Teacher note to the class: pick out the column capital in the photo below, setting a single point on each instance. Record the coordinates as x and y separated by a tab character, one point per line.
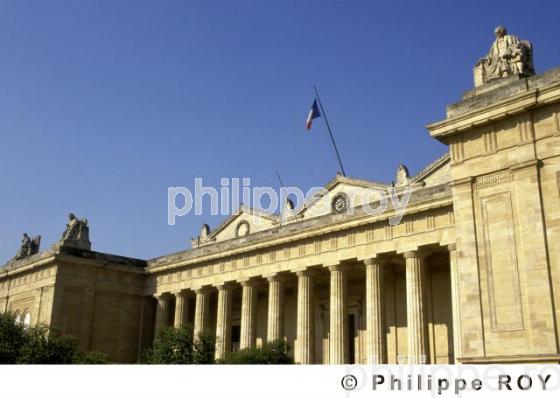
180	293
248	282
224	286
202	289
164	296
336	267
305	272
374	261
415	254
452	247
274	278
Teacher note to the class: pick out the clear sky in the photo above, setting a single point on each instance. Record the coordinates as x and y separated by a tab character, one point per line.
105	104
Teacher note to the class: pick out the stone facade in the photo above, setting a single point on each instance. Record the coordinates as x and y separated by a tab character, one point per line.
470	274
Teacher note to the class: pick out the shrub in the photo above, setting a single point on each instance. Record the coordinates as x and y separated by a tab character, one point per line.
177	346
91	358
12	337
204	349
274	352
40	345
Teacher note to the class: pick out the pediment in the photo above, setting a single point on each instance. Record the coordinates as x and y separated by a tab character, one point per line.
356	191
243	222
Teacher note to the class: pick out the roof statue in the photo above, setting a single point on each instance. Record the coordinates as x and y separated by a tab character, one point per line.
508	56
28	246
287	209
76	233
402	177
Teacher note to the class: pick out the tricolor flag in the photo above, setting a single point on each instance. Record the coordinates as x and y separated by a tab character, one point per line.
313	114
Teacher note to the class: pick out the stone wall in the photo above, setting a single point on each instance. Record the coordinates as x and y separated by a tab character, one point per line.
505	156
99	300
94	297
29	288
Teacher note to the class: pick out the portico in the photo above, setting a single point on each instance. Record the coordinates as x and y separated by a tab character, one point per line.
376	310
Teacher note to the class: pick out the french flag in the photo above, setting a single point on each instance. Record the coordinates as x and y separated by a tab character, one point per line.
313	114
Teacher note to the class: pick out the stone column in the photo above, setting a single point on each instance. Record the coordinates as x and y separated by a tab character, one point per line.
223	322
161	313
338	338
305	327
181	309
275	325
248	315
415	308
201	311
454	276
375	312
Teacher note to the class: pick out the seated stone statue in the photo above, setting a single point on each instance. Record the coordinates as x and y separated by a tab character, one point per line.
76	233
28	246
508	56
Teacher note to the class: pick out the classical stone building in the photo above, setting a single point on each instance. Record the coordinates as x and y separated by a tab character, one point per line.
471	274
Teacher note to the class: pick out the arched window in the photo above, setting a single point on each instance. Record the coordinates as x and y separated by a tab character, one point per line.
26	319
17	317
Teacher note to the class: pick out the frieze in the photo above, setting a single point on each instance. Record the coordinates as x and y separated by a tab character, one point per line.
493	179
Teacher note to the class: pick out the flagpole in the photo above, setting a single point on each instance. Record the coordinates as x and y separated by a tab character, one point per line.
281	189
280	181
330	132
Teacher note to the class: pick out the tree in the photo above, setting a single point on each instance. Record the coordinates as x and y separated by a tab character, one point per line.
204	349
40	345
12	337
177	346
275	352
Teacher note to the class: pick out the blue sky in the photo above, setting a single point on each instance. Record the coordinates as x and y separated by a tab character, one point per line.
105	104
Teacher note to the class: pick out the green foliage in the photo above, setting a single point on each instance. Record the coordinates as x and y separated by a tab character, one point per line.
91	358
12	337
40	345
177	346
274	352
204	349
171	346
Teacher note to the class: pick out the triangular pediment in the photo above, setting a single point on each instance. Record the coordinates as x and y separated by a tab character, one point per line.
357	191
243	222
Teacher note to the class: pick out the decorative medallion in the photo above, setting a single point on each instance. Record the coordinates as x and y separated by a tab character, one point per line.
340	203
242	229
